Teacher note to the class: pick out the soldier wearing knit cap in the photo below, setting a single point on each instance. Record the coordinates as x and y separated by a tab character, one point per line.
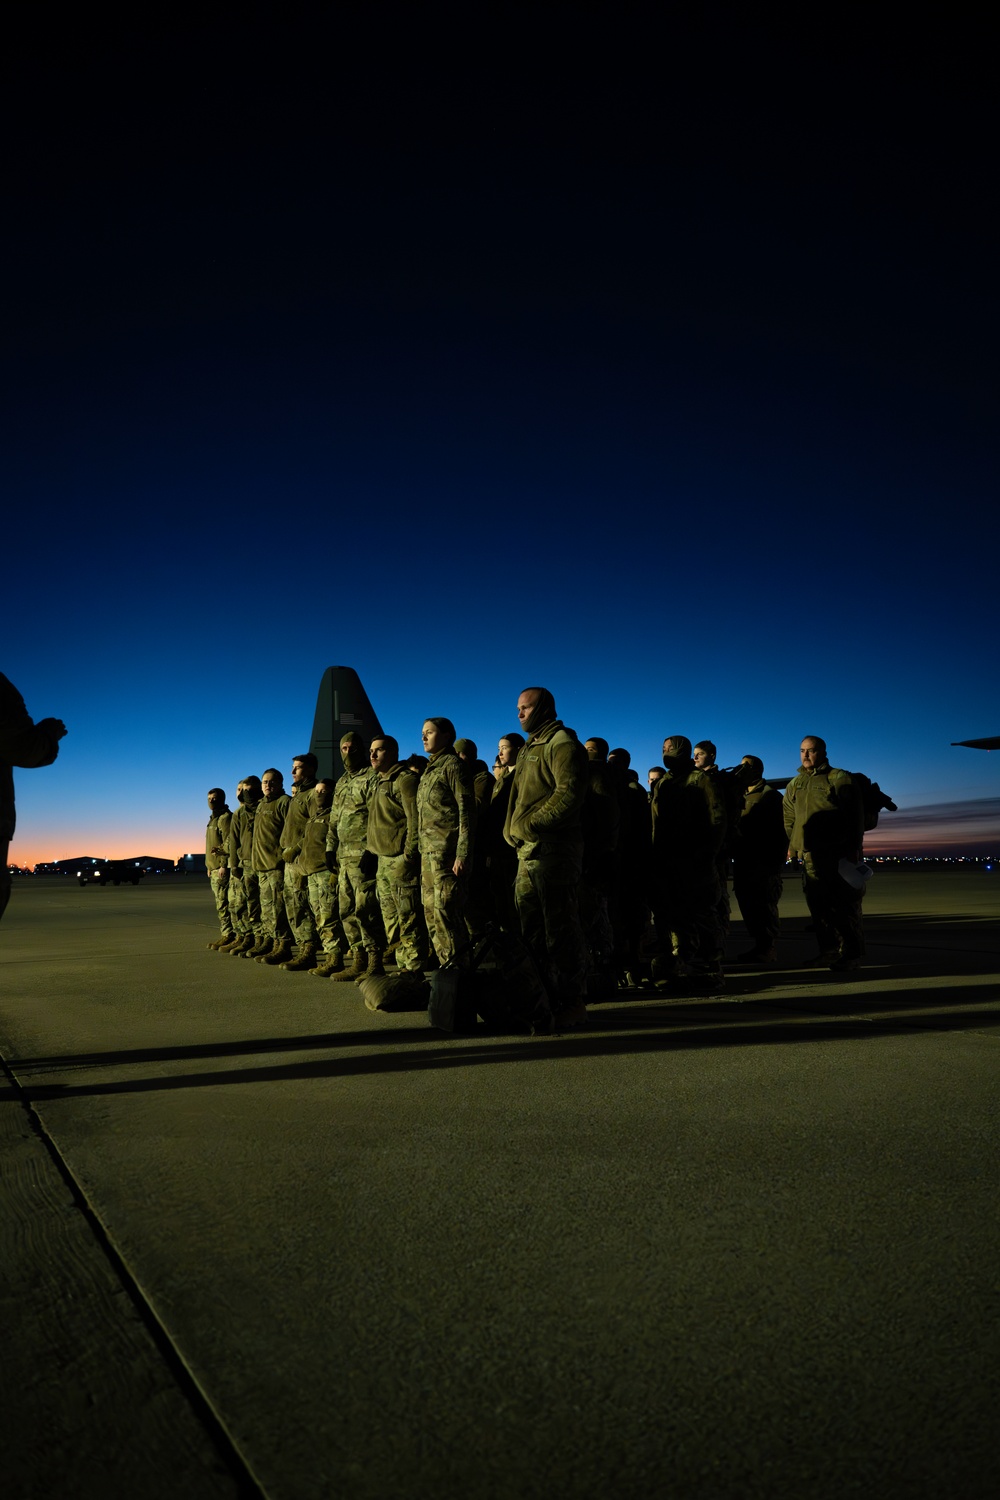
544	826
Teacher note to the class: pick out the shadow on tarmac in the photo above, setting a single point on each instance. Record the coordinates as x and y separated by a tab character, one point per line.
641	1031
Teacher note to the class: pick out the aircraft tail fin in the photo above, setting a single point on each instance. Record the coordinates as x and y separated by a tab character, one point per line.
342	704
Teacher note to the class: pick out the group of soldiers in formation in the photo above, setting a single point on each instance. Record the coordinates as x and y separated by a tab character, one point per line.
559	847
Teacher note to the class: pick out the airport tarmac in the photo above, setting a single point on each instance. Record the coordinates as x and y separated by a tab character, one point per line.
259	1241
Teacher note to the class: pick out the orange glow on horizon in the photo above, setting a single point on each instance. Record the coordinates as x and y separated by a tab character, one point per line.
159	841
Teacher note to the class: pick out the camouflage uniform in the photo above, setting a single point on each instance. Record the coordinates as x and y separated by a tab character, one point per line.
322	886
346	841
824	823
393	835
244	885
267	864
446	814
689	828
217	865
296	885
22	743
543	824
600	819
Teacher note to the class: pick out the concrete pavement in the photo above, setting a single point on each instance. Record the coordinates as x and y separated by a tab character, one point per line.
260	1240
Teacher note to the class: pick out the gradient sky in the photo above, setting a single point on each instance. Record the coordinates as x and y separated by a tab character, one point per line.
652	363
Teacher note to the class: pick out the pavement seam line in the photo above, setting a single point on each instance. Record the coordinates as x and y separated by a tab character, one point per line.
248	1486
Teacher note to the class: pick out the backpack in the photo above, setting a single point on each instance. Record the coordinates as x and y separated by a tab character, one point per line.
873	799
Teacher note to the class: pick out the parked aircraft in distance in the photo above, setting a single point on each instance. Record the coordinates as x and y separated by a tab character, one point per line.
992	742
342	704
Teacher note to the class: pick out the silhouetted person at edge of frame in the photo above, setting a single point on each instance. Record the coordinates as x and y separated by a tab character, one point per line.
22	743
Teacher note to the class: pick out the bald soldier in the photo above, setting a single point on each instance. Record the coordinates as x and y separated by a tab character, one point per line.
824	824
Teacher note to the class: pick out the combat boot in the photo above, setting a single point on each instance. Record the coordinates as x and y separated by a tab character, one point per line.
263	945
333	964
234	942
278	953
244	945
358	969
305	960
221	942
375	969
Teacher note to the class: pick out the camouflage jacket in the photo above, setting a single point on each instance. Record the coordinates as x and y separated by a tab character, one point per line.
392	813
446	809
349	814
551	779
217	840
312	857
295	826
268	822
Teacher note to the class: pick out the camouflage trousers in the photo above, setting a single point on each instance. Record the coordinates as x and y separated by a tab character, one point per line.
297	908
686	915
244	903
443	895
546	890
220	890
834	906
399	899
359	908
758	895
326	911
272	904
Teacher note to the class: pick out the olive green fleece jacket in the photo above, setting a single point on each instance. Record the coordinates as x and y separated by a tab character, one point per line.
269	820
689	817
551	779
217	840
312	857
295	825
241	836
392	813
823	813
349	814
446	809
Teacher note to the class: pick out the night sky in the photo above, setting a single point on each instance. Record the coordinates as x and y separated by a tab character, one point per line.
651	361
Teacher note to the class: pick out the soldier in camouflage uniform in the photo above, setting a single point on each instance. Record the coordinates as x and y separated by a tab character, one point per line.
824	823
322	886
347	854
268	865
217	862
689	829
244	886
296	887
446	815
544	826
393	836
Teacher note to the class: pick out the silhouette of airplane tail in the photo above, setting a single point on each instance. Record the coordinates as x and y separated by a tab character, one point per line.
342	704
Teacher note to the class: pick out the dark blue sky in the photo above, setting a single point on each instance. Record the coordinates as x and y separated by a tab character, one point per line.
653	362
